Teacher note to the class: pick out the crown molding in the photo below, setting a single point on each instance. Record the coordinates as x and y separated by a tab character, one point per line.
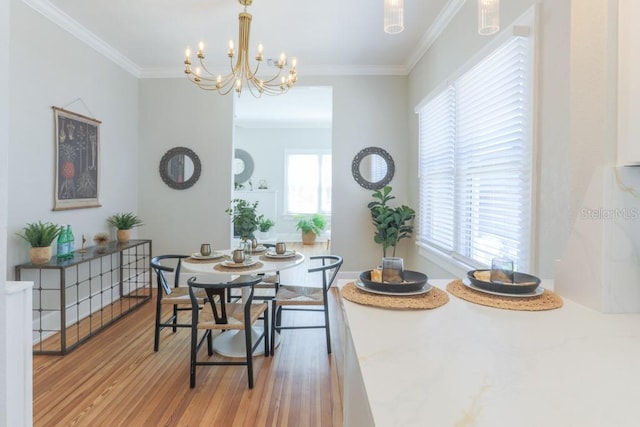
74	28
70	25
335	70
439	24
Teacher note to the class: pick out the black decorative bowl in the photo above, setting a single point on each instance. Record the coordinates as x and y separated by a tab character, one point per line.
523	283
413	282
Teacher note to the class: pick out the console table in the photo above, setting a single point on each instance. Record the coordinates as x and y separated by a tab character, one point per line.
77	298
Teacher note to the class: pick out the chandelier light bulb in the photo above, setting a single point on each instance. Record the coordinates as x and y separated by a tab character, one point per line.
259	55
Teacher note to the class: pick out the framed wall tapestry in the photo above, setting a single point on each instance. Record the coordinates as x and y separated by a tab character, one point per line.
77	160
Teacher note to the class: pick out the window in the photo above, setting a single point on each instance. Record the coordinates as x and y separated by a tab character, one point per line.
308	183
475	157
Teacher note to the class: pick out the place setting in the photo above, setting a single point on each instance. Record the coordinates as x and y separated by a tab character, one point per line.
206	255
391	286
240	261
503	287
279	253
257	248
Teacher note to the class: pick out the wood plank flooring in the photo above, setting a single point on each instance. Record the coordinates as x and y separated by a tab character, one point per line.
116	379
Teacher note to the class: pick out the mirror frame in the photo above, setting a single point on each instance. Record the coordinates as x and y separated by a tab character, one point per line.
245	175
355	168
164	164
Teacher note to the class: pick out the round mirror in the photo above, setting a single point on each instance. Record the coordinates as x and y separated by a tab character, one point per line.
180	168
242	166
372	168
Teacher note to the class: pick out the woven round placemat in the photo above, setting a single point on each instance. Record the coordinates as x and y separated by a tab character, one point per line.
549	300
220	267
206	261
434	298
272	259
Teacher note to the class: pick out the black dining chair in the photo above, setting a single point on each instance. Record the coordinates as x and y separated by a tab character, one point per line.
270	282
170	295
307	298
225	316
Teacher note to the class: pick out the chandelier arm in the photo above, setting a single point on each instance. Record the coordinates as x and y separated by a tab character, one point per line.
272	79
253	88
200	84
204	67
224	92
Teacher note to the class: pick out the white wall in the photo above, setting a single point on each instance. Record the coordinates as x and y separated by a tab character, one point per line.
50	67
4	190
174	112
458	43
599	267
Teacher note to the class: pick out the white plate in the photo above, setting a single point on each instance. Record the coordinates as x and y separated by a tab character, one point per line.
286	254
539	290
232	264
214	255
259	249
427	287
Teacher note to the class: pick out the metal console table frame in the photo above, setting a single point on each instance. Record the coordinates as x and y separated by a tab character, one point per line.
77	298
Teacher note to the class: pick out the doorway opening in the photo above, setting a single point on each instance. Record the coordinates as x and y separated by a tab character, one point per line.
285	143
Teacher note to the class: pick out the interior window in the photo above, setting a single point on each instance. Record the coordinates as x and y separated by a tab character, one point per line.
308	182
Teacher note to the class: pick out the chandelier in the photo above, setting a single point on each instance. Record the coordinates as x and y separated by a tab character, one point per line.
488	17
242	75
393	16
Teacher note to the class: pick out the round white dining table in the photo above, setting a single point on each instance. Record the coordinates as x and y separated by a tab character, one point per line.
232	343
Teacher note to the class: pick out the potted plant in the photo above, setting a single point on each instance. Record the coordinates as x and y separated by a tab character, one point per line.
40	236
392	224
264	226
245	218
311	226
124	222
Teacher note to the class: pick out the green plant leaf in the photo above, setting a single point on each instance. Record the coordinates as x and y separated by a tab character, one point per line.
391	224
244	216
39	234
124	221
314	223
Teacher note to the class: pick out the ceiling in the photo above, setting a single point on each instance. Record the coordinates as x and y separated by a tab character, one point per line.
328	37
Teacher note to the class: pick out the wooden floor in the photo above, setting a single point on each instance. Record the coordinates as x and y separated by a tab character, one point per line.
116	379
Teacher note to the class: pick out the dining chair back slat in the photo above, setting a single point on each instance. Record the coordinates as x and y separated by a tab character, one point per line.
224	315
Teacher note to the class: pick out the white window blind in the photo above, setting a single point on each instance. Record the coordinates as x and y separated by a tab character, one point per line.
437	171
475	161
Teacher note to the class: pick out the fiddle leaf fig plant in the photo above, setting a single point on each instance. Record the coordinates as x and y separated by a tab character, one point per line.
392	224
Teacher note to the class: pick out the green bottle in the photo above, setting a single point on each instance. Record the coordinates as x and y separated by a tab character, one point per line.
62	247
71	243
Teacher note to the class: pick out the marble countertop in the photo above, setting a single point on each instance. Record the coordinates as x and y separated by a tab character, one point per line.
464	364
